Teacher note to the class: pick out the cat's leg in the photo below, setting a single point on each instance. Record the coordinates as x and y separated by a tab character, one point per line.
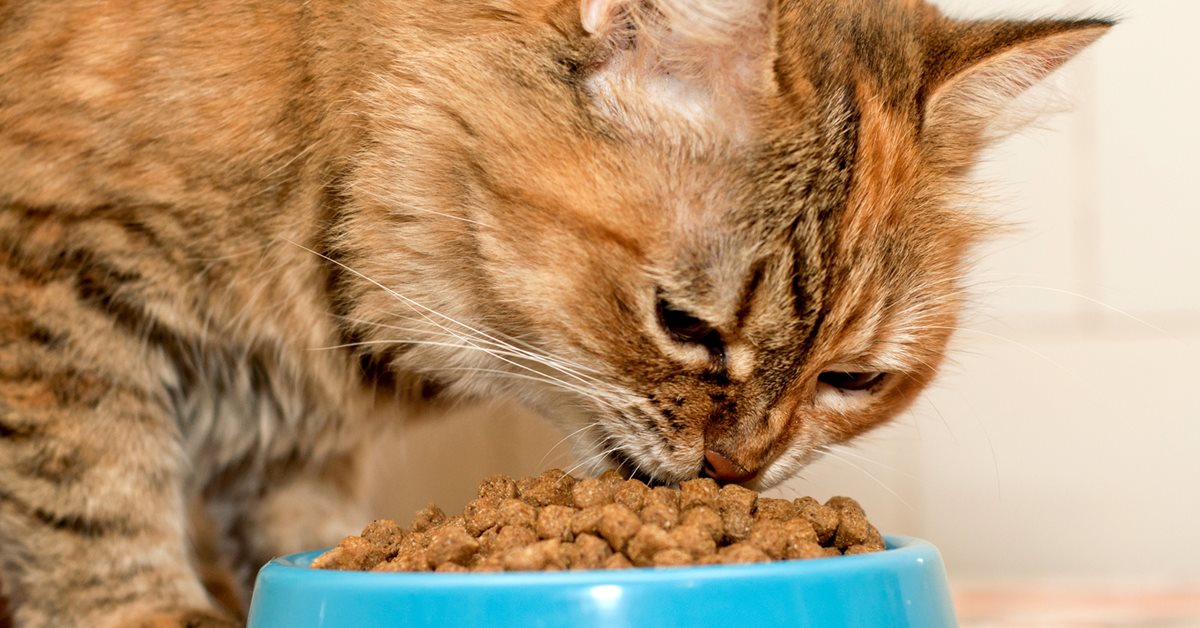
92	521
300	508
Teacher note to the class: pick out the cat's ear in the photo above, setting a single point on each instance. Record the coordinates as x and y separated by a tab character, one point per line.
976	71
723	50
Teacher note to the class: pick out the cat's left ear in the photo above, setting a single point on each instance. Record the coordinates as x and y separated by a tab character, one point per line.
690	49
975	71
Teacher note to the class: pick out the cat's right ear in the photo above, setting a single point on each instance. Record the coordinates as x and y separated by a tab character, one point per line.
692	54
975	72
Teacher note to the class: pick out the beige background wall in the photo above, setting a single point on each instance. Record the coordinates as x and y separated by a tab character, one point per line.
1064	441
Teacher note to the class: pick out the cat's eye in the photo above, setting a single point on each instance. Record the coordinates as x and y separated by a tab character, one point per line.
851	381
683	327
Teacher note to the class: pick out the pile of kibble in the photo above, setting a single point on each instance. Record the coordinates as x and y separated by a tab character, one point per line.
554	521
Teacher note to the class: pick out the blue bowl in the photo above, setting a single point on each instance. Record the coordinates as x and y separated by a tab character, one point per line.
904	586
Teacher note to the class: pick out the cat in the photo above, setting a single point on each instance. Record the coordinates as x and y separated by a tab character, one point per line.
238	239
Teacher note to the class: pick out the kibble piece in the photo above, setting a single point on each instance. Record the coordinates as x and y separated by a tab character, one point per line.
845	504
617	525
593	492
777	509
617	561
491	563
854	529
800	535
661	514
512	537
770	536
543	555
804	550
386	534
481	514
552	487
450	543
354	553
736	505
672	558
514	512
859	549
612	476
742	553
735	498
648	542
632	495
587	552
694	540
554	522
451	568
585	521
406	561
824	520
706	519
427	518
711	559
498	487
699	492
488	540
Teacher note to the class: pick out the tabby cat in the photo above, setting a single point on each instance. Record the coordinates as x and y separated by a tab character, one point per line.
237	239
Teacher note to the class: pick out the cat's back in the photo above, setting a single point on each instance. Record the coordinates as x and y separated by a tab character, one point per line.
152	99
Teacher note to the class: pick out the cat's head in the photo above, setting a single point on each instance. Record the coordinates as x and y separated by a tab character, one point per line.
729	222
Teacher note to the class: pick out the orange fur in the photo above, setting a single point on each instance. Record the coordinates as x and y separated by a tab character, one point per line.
238	238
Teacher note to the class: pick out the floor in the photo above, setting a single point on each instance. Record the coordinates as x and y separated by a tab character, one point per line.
1077	606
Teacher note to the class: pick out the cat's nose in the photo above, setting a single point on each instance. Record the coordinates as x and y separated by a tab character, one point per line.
724	470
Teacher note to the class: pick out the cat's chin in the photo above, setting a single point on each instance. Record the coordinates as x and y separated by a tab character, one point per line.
629	469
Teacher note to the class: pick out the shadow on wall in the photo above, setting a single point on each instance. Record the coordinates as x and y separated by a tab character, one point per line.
443	458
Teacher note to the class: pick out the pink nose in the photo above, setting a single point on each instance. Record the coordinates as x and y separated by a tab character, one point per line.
724	471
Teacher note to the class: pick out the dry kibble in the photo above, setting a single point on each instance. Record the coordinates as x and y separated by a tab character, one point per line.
632	495
777	509
617	524
427	518
770	536
514	512
554	522
481	514
845	504
699	492
694	540
824	520
742	553
498	487
706	519
617	561
534	524
661	514
587	552
585	521
354	553
593	492
804	550
450	543
553	487
512	537
648	542
672	558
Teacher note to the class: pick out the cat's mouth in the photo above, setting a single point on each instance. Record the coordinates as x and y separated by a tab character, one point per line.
629	469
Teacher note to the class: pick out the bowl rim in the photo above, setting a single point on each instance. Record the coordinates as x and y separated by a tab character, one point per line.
900	550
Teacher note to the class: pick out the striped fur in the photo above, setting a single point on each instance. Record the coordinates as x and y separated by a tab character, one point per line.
237	239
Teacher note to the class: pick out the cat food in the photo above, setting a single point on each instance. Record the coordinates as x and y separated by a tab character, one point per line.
555	522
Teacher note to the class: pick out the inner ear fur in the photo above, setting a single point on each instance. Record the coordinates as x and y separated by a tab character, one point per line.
975	71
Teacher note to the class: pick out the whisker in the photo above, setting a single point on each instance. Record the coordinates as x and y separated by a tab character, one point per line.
835	456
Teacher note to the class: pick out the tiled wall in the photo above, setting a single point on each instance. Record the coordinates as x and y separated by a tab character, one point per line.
1064	440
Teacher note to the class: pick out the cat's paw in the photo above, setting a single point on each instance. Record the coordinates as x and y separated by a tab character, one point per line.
185	618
